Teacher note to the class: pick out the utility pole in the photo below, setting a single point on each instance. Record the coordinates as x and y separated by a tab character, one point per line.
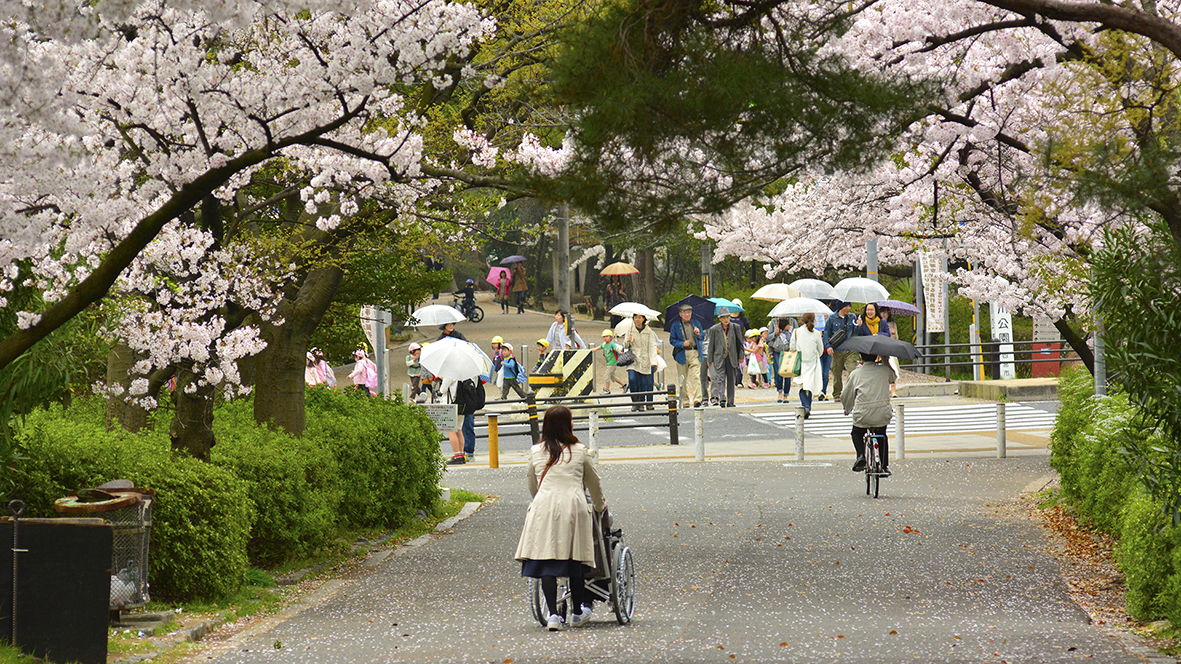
563	257
871	258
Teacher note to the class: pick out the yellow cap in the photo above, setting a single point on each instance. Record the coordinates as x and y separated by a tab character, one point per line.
497	340
608	333
543	342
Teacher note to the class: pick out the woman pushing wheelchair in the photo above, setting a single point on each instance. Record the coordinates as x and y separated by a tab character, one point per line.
558	537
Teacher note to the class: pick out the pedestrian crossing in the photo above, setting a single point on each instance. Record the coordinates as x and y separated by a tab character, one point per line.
921	420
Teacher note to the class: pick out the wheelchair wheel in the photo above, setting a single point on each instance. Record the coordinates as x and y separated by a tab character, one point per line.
476	315
537	601
623	586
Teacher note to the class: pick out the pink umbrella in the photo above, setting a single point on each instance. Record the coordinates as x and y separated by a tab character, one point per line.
494	275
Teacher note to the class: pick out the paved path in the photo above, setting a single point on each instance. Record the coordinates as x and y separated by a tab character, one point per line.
765	560
920	419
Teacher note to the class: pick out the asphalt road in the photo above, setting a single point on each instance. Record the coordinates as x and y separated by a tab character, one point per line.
739	561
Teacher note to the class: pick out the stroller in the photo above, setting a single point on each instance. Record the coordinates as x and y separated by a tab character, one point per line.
613	581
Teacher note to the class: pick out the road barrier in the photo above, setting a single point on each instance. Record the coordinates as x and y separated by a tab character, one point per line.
494	429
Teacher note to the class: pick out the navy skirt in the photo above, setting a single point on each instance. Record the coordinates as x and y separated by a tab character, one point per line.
536	569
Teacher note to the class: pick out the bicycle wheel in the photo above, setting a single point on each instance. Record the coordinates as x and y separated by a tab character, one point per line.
871	462
476	315
623	596
876	478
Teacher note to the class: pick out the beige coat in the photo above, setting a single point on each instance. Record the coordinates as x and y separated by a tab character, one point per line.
643	345
559	525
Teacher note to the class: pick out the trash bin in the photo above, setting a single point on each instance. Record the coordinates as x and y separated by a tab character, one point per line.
128	510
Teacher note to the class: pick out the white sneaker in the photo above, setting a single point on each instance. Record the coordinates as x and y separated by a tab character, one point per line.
555	622
581	617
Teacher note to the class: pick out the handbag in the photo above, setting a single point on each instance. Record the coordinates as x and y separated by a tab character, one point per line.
792	364
625	357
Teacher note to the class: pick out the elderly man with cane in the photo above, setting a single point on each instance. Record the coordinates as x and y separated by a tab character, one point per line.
725	352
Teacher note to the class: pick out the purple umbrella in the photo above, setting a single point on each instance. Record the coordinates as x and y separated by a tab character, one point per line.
900	308
513	259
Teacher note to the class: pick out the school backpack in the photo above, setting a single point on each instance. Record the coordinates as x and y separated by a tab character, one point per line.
469	396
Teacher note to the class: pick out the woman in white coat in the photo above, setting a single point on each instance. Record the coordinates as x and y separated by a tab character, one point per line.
809	342
558	537
641	341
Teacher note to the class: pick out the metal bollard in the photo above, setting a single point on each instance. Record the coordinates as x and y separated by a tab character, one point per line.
699	434
674	431
493	441
799	433
406	393
531	406
900	433
594	433
1000	430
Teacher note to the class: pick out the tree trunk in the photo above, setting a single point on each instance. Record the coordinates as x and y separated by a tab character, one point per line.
1078	343
120	413
191	430
646	279
279	372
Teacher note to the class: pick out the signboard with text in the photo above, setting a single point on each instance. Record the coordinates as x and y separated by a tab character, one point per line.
1002	331
444	415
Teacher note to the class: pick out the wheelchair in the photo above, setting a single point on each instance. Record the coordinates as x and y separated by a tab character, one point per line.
613	581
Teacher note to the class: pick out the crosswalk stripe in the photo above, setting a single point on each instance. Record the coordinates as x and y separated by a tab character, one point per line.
924	419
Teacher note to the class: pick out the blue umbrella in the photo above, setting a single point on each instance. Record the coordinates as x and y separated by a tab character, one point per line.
720	302
703	311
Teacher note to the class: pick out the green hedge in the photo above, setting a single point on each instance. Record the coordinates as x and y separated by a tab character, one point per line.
265	498
1104	488
202	514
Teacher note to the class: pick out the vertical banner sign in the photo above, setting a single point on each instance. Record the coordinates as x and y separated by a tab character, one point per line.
1002	331
929	266
369	324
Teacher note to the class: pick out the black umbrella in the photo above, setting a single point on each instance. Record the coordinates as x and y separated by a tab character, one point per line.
703	311
877	344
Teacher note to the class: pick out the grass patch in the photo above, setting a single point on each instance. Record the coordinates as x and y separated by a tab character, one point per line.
10	655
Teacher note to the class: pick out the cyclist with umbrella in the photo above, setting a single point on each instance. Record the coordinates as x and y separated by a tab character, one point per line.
867	394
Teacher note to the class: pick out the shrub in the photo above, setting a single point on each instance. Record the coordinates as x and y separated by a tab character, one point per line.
294	482
201	516
388	455
1144	556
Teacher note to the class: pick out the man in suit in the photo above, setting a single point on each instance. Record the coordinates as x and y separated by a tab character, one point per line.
724	341
685	338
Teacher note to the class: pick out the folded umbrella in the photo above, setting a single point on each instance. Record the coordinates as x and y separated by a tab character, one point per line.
899	307
877	344
436	314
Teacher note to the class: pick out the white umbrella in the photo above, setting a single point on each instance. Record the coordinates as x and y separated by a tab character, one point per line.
821	290
798	306
776	293
633	308
452	359
860	289
437	314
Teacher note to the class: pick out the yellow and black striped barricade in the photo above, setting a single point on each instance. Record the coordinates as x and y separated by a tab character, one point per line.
564	373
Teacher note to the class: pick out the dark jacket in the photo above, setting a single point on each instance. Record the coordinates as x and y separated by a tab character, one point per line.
835	323
676	338
719	350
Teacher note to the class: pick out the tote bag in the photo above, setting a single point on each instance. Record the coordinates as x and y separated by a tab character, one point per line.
792	364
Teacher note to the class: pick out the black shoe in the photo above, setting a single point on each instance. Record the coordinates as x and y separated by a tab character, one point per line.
886	472
697	404
807	413
821	397
457	460
859	465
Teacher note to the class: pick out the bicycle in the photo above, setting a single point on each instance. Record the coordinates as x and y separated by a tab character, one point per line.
474	313
873	463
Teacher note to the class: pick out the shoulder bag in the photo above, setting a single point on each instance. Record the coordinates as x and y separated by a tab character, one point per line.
625	357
